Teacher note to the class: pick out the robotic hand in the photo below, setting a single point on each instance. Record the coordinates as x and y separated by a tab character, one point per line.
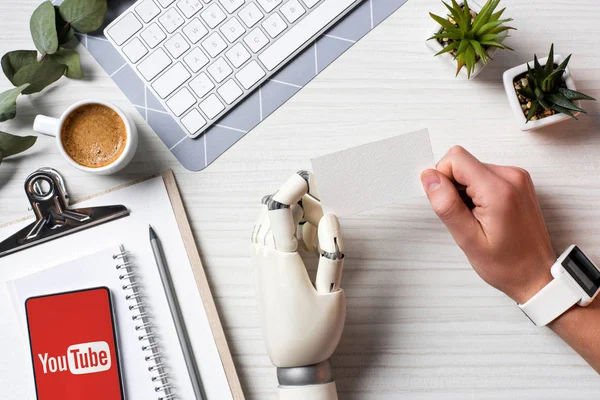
302	324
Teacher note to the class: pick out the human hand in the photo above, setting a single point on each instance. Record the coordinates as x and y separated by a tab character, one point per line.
504	236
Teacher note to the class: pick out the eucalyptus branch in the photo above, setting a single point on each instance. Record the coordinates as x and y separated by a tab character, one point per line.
51	28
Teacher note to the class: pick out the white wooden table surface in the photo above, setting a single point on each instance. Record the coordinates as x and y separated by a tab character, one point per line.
421	324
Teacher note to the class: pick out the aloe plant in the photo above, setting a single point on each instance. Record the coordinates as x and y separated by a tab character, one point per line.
546	88
469	37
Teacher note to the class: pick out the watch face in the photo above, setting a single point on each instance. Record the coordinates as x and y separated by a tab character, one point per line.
583	271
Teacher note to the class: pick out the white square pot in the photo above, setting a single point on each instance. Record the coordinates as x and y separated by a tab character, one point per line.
511	93
436	46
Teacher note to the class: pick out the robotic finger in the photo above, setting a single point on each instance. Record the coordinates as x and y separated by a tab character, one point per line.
331	263
286	208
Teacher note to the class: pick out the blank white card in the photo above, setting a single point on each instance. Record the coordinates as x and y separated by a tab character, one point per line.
374	174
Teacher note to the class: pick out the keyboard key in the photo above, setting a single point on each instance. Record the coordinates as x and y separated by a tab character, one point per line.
213	15
274	25
269	5
232	29
214	44
212	106
251	15
195	30
256	40
189	7
292	10
219	70
181	102
250	74
153	35
231	5
193	121
310	3
230	91
168	82
135	50
202	85
303	32
165	3
154	64
147	10
237	55
171	20
125	28
177	45
196	59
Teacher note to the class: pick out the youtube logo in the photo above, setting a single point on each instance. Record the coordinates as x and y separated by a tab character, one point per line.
83	358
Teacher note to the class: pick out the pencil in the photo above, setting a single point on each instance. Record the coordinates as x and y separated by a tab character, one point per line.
184	340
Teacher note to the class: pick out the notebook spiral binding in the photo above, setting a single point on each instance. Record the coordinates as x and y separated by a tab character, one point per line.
147	335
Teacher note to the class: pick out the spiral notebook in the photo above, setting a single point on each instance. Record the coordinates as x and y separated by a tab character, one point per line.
90	259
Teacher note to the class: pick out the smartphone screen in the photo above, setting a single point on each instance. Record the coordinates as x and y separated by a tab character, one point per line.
73	346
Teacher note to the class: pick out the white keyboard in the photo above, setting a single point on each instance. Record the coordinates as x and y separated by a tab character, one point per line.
202	57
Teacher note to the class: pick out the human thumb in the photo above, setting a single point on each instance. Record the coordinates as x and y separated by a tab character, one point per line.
449	207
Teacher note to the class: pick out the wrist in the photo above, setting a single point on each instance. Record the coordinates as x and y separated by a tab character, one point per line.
313	382
537	281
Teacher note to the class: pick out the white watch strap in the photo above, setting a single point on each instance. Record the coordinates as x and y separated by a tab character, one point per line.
552	301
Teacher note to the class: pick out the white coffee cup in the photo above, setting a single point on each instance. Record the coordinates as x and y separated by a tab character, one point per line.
53	127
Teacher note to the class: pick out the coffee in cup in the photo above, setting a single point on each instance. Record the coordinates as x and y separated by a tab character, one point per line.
93	135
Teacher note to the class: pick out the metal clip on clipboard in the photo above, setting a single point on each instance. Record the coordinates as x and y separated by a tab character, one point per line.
47	194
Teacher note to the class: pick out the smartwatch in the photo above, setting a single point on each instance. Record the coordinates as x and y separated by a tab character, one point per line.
576	281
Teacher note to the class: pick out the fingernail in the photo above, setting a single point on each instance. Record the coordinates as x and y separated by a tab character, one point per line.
430	181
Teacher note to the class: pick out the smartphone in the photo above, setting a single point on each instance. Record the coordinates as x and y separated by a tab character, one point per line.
74	346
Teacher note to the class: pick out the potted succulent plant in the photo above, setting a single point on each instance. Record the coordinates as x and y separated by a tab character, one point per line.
469	35
543	94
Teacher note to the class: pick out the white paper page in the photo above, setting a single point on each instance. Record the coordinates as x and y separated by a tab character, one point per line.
374	174
148	203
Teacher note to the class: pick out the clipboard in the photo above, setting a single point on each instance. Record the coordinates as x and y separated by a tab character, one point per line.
197	268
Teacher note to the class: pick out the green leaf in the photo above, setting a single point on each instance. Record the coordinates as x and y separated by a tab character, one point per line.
454	35
554	78
450	47
15	60
493	43
563	110
539	71
545	104
534	107
43	28
70	59
527	92
480	51
443	22
470	60
460	62
65	31
502	28
496	16
453	13
8	102
12	144
459	16
559	100
84	15
491	36
464	44
550	63
491	25
39	75
563	65
573	94
484	15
